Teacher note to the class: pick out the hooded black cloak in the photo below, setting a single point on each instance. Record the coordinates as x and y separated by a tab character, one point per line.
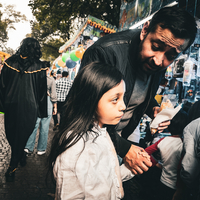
23	98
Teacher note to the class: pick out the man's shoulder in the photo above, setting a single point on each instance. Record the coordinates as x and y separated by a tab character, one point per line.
118	38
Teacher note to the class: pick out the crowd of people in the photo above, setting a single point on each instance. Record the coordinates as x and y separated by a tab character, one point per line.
91	156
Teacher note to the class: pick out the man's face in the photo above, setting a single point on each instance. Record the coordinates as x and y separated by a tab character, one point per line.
159	49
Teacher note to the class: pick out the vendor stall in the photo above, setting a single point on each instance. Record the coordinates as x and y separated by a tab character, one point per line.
72	51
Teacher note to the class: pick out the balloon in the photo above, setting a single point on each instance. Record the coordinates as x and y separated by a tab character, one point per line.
65	56
70	63
79	53
61	63
73	56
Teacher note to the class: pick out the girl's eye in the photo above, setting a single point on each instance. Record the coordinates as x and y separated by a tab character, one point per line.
115	100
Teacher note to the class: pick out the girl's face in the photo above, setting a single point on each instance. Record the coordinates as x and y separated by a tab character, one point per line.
111	106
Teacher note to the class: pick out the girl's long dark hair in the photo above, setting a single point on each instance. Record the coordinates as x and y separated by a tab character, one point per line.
78	115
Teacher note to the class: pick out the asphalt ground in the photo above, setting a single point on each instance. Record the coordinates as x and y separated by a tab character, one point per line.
29	181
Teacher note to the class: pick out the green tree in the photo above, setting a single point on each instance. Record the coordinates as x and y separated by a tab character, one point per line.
57	20
49	42
8	17
57	17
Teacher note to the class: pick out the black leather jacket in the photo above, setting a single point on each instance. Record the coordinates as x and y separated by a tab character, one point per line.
121	50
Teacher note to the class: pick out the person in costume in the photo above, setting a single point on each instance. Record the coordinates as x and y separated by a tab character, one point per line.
23	98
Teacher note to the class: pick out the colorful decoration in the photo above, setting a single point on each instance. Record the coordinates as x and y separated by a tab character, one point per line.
61	63
65	56
79	52
54	67
73	56
70	63
57	66
97	27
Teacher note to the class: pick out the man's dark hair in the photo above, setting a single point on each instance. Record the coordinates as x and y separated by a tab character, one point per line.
178	123
181	23
65	74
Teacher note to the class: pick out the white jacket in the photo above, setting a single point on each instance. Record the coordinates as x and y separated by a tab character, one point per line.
90	170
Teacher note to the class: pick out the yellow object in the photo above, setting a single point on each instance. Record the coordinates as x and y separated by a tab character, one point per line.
3	54
158	98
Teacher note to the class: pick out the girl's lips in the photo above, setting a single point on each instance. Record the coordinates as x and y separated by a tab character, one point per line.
120	116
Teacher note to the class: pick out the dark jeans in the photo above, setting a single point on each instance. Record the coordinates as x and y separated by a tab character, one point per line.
164	192
55	119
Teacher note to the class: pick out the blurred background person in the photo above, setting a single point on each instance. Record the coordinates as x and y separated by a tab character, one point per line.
63	86
44	122
23	89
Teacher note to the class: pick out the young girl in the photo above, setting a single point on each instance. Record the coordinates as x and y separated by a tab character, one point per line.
83	159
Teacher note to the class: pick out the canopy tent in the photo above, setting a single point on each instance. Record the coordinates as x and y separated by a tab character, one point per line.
134	13
98	26
72	51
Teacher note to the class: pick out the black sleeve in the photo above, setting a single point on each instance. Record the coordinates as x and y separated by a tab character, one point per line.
123	146
3	78
42	93
94	54
149	110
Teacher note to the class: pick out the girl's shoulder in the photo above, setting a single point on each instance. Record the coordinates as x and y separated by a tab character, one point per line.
70	156
75	149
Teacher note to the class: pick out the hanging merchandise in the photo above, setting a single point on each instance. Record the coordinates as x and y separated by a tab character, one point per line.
65	56
190	91
168	73
178	66
188	66
198	64
70	63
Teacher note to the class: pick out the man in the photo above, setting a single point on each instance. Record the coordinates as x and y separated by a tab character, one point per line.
63	86
23	89
44	122
143	56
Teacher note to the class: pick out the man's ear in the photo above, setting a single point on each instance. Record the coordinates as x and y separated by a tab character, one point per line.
144	30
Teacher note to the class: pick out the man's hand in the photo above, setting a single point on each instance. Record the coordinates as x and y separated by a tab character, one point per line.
162	125
54	108
137	160
54	111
